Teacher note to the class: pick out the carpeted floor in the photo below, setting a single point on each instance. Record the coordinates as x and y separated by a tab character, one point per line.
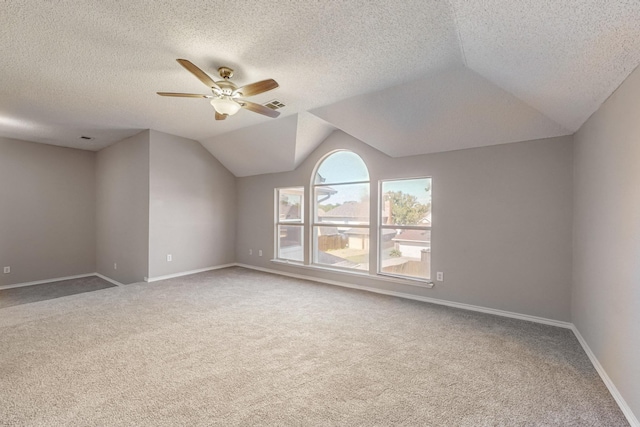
45	291
238	347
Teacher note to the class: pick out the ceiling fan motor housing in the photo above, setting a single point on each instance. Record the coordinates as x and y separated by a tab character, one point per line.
227	87
225	72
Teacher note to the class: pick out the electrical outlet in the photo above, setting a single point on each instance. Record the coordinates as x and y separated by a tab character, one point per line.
260	252
169	257
250	251
440	276
7	270
115	266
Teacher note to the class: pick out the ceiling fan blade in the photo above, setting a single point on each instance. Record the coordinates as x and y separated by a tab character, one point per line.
220	116
201	75
257	108
256	88
184	95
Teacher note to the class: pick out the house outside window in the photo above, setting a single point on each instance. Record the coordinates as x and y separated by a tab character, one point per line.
290	224
404	248
341	212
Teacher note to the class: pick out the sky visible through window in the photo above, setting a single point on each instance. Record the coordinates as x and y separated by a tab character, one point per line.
421	188
346	166
342	166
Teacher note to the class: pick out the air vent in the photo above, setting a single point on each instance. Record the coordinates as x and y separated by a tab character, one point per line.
87	138
274	105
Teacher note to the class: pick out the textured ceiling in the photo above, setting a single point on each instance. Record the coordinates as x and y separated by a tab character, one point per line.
405	77
451	108
562	57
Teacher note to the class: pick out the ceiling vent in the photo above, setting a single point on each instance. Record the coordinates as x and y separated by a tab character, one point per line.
274	105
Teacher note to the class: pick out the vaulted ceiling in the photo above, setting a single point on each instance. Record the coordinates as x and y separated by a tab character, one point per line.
408	77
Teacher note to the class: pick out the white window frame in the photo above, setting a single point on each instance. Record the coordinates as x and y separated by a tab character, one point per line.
295	222
382	227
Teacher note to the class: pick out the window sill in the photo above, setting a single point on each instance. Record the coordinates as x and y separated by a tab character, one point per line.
379	277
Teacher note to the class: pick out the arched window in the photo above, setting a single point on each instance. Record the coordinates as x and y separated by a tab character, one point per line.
341	212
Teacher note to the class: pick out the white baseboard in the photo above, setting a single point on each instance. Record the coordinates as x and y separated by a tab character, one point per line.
40	282
186	273
463	306
631	418
108	279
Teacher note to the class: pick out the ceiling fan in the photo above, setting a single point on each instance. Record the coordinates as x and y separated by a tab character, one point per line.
227	98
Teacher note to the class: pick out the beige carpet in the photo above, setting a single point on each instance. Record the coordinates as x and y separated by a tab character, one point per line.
237	347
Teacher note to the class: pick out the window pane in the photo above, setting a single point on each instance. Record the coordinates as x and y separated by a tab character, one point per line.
342	166
342	247
290	204
343	204
406	252
291	242
406	202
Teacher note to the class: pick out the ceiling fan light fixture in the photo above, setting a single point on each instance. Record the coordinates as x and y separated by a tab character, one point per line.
225	105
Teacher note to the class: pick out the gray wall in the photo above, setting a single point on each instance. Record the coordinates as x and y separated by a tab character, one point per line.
122	201
192	210
501	221
606	262
47	211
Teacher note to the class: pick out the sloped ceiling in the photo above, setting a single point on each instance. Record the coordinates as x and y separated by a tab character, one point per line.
563	58
450	109
276	146
406	77
256	150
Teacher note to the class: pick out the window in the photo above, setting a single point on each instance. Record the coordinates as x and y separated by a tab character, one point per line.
341	212
337	230
290	224
405	228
